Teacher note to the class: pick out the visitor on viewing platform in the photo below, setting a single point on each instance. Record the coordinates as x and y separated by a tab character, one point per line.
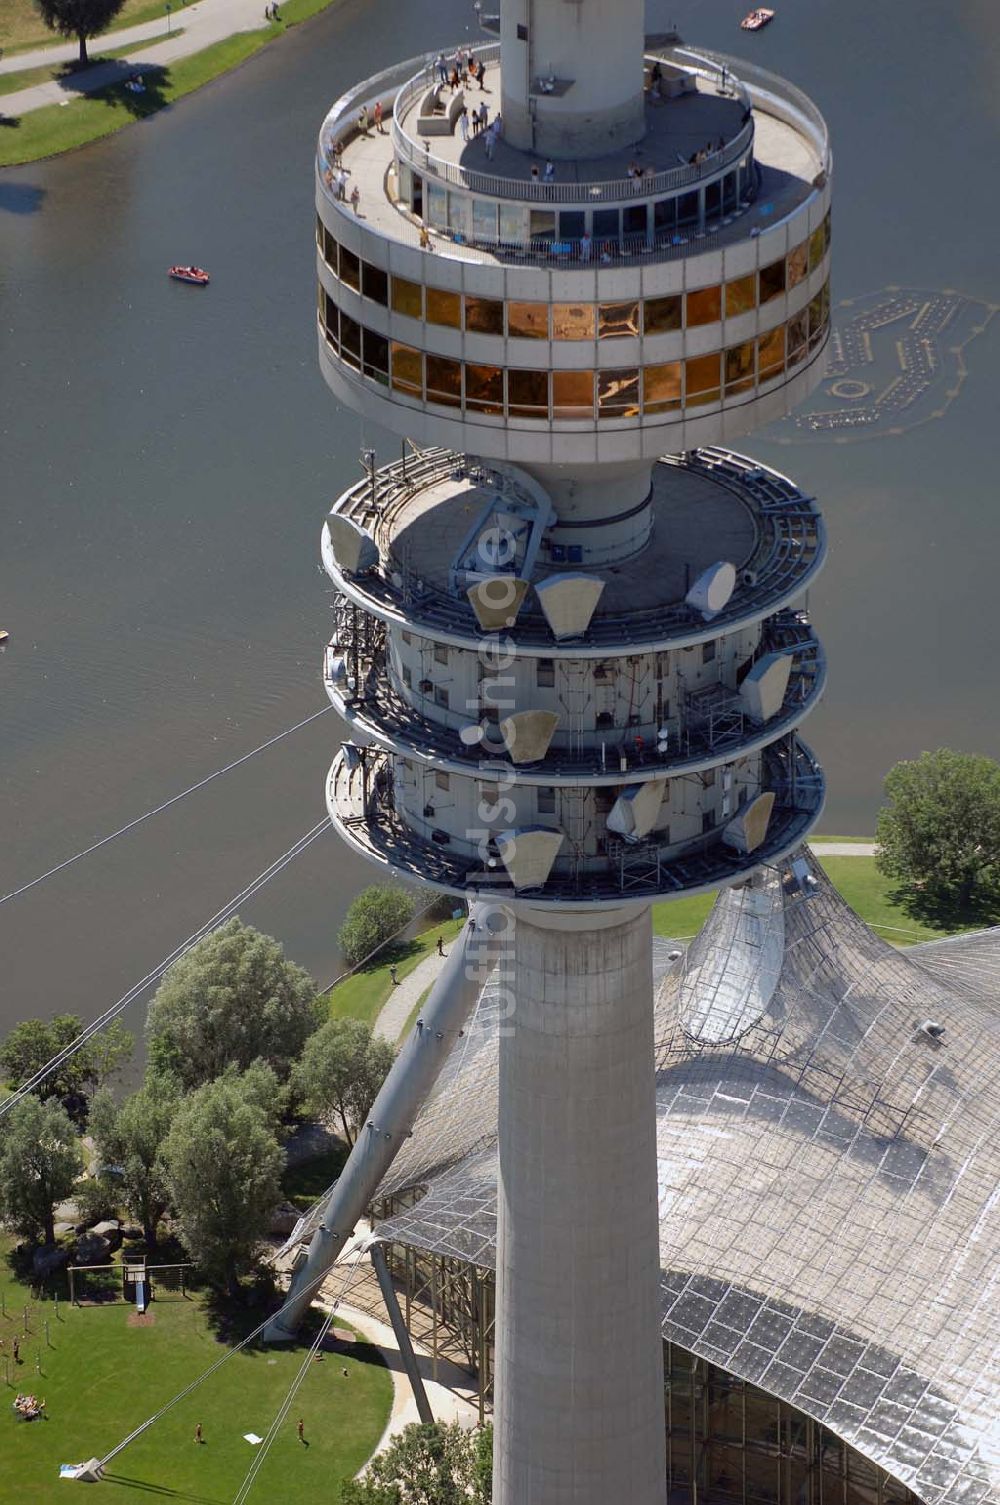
378	118
535	174
463	123
484	115
363	120
550	171
355	198
442	67
454	79
585	246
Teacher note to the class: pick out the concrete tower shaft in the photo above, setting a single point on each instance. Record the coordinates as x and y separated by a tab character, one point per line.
562	95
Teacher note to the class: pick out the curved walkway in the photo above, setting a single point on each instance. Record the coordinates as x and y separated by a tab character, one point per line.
843	848
404	998
195	27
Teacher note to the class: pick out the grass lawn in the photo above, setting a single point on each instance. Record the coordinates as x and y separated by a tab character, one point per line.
25	77
60	128
857	878
102	1376
362	995
22	28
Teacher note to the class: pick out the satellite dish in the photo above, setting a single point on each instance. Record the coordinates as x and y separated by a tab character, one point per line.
471	735
712	589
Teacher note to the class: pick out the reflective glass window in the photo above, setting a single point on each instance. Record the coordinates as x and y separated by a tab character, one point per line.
771	353
713	200
407	369
350	269
618	394
374	283
484	219
741	295
572	224
687	209
572	394
460	215
436	206
661	315
617	319
704	306
405	182
528	394
701	376
817	247
407	298
664	215
444	380
528	320
635	219
444	307
542	224
817	323
729	193
798	329
662	387
772	280
331	316
607	223
798	264
376	356
739	368
350	340
484	315
331	253
513	223
484	389
572	321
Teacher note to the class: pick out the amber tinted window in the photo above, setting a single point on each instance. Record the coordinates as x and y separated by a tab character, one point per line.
797	331
443	307
662	387
374	283
817	247
330	252
350	269
771	353
618	394
701	377
528	394
617	319
572	394
739	368
407	369
331	316
407	298
827	230
662	315
484	389
528	320
741	295
350	340
444	381
376	356
704	306
572	321
484	315
772	280
798	264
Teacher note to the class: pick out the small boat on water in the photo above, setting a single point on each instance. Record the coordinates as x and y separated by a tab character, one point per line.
756	19
197	275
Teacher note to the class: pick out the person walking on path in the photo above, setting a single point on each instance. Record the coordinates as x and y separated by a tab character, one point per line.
482	76
197	1433
355	198
440	945
15	1348
392	976
301	1429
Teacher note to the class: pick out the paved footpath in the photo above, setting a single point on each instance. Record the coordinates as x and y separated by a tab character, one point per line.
404	998
843	848
200	25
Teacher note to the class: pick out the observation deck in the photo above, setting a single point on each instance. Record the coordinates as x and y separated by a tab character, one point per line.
708	505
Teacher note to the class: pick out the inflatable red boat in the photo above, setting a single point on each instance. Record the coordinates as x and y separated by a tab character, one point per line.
190	274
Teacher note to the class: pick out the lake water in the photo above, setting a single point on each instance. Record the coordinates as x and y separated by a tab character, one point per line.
166	459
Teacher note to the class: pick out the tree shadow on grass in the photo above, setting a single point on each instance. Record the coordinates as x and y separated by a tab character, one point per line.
138	90
944	911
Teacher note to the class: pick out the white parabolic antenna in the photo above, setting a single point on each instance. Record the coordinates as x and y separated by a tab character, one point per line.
712	589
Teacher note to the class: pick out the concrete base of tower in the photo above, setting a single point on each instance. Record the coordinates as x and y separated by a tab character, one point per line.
579	1368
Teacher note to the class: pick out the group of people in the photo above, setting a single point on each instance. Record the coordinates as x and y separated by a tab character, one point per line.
271	12
478	121
28	1407
367	119
546	176
704	152
459	69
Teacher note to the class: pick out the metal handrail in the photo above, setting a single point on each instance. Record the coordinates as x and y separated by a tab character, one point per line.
421	158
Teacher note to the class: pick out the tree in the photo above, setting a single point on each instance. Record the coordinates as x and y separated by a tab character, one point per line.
939	834
39	1161
222	1168
428	1465
130	1142
232	1000
376	915
341	1070
33	1043
79	18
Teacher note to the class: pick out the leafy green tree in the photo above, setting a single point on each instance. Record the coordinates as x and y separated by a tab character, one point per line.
222	1168
232	1000
428	1465
375	915
79	18
33	1043
130	1140
939	834
40	1159
341	1070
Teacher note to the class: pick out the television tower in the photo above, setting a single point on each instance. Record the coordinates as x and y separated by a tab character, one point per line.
567	638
